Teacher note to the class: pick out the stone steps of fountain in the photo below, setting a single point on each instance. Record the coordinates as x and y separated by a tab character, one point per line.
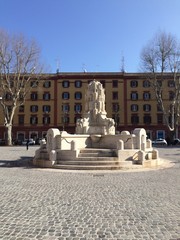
111	166
91	152
79	167
91	161
95	150
94	159
85	155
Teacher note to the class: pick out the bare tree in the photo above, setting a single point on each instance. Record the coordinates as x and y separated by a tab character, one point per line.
19	63
161	60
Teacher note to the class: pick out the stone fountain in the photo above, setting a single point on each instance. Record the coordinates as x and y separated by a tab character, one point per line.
95	146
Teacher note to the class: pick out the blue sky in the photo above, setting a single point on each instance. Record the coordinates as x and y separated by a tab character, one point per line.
91	34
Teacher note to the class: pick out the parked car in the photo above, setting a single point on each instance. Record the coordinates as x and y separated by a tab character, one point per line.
31	142
159	142
176	141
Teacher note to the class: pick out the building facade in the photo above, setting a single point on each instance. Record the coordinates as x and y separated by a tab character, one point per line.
57	101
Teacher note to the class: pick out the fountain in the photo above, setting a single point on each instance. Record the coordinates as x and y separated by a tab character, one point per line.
95	145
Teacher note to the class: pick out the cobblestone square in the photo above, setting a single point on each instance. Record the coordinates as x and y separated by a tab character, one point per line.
51	204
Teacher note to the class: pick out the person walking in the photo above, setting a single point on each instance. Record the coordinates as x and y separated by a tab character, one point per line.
27	144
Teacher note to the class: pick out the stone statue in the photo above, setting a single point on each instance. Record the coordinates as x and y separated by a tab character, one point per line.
95	98
95	120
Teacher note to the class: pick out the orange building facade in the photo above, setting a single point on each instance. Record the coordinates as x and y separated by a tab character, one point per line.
57	101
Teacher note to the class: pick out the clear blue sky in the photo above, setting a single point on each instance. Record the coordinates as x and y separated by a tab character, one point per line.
91	34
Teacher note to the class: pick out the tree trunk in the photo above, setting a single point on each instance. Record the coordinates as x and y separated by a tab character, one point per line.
171	137
8	136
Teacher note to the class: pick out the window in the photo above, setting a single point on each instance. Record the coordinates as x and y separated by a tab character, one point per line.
11	83
159	83
65	119
115	107
33	108
134	107
78	84
65	84
46	108
134	96
159	93
76	118
147	119
34	84
114	95
33	120
134	84
46	96
146	96
159	109
21	85
21	108
78	95
8	96
115	83
77	108
21	119
134	119
47	84
171	95
160	118
146	107
65	95
65	108
46	120
146	84
21	96
34	96
171	83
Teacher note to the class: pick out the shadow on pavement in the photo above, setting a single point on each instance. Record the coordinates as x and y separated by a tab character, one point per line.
24	162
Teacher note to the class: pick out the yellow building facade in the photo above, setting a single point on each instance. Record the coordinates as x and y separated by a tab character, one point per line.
58	101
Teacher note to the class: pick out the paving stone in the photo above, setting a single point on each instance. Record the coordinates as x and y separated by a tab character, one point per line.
61	205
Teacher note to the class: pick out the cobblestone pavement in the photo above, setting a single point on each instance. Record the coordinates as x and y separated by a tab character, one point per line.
54	204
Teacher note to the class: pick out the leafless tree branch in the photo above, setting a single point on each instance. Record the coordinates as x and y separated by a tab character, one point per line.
159	57
19	64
